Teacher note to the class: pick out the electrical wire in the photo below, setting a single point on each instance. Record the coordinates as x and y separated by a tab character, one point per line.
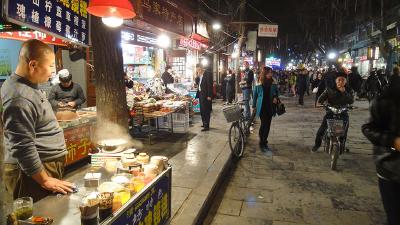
259	12
222	47
215	11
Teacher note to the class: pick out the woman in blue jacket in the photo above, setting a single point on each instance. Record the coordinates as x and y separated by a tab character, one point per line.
265	96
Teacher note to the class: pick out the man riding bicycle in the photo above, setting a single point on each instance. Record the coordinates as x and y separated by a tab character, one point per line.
338	97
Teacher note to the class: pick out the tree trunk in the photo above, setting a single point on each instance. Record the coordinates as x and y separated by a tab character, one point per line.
242	30
108	68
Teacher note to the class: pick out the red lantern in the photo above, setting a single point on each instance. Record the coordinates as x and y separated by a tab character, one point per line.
111	8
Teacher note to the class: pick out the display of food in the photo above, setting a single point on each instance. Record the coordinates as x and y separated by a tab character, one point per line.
92	179
143	158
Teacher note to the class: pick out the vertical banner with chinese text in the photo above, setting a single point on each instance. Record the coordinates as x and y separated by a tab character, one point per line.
152	207
67	19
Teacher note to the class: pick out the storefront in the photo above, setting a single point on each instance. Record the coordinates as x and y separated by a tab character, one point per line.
142	57
120	186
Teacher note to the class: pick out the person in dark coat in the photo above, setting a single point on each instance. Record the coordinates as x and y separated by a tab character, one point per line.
265	95
230	86
167	76
204	93
375	84
320	84
355	79
383	130
338	97
128	82
329	79
223	87
67	94
301	84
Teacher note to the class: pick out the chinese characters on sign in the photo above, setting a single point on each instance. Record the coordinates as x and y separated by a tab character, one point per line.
152	207
26	35
138	38
164	14
64	18
78	143
271	61
267	30
190	43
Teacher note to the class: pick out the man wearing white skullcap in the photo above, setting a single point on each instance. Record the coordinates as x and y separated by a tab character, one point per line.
67	94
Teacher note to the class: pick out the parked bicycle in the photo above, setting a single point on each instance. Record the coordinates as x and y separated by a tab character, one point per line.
240	128
335	134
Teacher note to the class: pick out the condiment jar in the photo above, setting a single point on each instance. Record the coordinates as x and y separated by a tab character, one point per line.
143	158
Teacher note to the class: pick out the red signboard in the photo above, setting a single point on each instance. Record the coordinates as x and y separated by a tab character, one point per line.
78	143
26	35
190	43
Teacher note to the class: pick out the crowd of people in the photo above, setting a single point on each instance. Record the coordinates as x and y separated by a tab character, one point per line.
338	88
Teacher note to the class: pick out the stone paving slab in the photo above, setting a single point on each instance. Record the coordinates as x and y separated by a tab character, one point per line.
291	185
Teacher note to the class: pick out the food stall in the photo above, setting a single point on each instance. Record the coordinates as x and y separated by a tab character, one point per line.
78	133
118	188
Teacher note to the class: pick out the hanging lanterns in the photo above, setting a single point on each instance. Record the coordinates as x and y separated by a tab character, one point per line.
112	12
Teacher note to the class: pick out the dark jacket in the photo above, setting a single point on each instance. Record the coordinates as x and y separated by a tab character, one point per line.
205	87
167	78
355	81
329	79
336	98
375	85
61	94
381	130
301	83
249	78
230	82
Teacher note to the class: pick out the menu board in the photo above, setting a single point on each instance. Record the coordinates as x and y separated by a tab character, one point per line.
153	206
67	19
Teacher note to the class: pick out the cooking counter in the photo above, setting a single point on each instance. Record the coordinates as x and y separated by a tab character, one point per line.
78	135
152	205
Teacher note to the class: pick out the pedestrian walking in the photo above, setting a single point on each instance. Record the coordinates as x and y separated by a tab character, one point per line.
223	87
355	80
301	85
265	96
292	83
308	82
375	84
318	85
230	86
34	142
204	93
383	130
247	85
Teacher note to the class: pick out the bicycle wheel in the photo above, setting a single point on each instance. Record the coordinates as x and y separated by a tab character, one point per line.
335	155
236	140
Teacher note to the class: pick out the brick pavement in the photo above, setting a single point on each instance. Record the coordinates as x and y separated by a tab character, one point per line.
293	186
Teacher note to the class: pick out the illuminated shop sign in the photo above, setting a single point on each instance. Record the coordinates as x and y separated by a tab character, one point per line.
271	61
146	39
64	19
191	43
138	38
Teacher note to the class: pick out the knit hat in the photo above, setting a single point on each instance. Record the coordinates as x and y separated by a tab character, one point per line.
64	75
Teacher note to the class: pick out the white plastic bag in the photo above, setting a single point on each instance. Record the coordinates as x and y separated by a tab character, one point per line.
315	90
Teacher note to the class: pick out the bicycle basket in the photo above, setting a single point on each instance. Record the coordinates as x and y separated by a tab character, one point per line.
336	127
232	113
